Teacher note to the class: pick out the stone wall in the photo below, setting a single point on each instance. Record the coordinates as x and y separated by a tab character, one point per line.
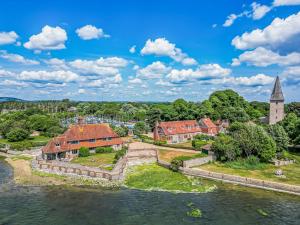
198	161
242	180
283	162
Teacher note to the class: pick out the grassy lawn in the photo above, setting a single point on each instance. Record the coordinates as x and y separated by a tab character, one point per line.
101	160
31	139
261	171
183	145
154	177
168	155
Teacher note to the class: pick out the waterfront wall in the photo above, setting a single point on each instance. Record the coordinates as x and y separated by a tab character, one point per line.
198	161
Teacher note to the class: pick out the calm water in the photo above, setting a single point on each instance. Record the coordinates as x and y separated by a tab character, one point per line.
57	205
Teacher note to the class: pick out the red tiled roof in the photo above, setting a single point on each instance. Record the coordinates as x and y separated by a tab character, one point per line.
208	123
83	133
180	127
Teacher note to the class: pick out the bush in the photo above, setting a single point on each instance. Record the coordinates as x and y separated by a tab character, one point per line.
280	136
84	152
104	150
160	143
20	146
203	137
197	144
178	161
120	154
225	148
17	134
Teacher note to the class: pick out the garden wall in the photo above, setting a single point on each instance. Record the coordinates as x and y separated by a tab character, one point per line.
198	161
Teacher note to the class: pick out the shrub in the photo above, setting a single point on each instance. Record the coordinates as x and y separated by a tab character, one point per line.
225	148
17	134
197	144
84	152
203	137
160	143
178	161
20	146
120	154
104	150
280	136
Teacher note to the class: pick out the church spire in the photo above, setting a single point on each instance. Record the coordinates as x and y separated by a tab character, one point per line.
277	94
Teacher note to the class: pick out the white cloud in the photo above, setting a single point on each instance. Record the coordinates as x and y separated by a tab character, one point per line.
81	91
105	82
291	75
58	64
206	71
17	58
90	32
259	11
162	47
51	38
286	2
6	73
132	49
230	20
153	71
257	80
164	83
49	76
278	32
135	81
13	83
263	57
102	66
8	37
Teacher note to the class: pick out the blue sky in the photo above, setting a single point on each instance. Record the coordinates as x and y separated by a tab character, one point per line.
148	50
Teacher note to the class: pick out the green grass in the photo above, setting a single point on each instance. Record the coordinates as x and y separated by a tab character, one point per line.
31	139
21	157
261	171
154	177
168	155
100	160
187	144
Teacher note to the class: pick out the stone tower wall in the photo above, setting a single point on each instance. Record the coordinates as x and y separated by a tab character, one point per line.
276	112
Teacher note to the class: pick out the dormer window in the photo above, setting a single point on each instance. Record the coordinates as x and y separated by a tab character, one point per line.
92	140
57	144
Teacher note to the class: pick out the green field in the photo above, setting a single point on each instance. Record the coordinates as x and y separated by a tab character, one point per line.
262	171
32	139
154	177
100	160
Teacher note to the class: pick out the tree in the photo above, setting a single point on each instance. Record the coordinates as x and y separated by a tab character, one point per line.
153	115
17	134
140	128
291	125
225	148
84	152
279	135
121	131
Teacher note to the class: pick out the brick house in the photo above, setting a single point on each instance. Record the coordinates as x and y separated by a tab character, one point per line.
90	136
182	131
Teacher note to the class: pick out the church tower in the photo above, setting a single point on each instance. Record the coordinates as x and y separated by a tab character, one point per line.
276	103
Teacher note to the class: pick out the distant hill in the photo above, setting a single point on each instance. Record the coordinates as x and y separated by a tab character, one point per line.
10	99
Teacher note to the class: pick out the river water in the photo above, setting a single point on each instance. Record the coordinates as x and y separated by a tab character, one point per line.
228	205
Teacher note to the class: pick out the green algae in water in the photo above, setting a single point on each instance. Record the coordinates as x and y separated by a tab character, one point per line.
262	212
194	212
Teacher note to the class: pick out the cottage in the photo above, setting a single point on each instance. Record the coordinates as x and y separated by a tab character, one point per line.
90	136
182	131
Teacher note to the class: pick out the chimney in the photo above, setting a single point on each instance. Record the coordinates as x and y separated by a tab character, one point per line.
155	132
80	120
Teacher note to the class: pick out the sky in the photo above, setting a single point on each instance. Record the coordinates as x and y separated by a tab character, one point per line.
148	50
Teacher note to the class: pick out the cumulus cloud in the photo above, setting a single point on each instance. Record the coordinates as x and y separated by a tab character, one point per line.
259	11
13	83
8	37
230	20
132	49
278	32
203	72
105	82
286	2
291	75
102	66
263	57
58	64
17	58
153	71
81	91
6	73
90	32
49	76
135	81
162	47
257	80
51	38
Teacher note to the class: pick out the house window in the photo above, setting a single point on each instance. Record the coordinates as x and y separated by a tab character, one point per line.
108	139
57	144
74	142
74	152
92	140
